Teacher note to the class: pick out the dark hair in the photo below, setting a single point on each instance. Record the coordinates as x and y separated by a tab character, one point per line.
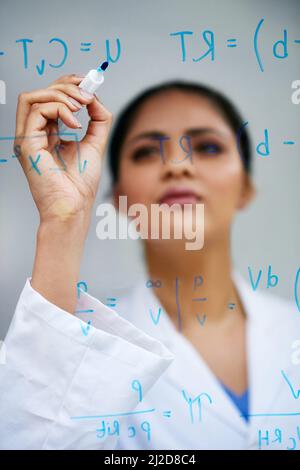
221	102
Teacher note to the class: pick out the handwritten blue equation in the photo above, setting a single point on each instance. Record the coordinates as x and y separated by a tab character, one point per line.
268	437
198	281
262	148
279	49
115	429
194	409
111	302
255	280
272	281
36	159
59	47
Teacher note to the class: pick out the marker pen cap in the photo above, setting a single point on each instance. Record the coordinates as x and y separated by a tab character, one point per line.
92	81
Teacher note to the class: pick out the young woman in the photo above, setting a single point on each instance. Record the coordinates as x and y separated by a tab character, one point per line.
215	354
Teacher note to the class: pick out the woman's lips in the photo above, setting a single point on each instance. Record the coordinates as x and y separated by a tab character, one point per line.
179	200
179	197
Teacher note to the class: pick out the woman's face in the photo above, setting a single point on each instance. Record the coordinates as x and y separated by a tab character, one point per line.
204	167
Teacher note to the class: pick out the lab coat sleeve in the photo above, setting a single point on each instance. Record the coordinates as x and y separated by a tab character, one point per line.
67	375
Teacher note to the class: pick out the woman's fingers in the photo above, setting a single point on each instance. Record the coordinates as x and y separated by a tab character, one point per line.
73	78
74	91
64	90
36	124
26	100
39	110
40	113
99	125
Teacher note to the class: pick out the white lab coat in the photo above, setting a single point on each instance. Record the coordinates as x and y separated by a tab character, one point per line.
65	384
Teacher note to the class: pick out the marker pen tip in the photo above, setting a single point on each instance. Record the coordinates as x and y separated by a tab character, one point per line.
103	66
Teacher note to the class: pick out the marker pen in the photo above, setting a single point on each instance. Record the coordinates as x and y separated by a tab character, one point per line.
90	83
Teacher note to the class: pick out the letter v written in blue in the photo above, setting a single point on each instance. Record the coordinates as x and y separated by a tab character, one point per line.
155	319
254	284
296	394
85	327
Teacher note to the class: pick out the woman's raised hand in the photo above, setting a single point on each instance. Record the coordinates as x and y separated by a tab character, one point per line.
63	175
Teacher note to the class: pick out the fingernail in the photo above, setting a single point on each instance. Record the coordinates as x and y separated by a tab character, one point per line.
75	103
86	94
77	123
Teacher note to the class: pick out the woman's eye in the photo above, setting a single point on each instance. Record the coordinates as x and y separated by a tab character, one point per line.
144	152
208	148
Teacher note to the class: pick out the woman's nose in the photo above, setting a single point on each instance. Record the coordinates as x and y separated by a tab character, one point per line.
178	160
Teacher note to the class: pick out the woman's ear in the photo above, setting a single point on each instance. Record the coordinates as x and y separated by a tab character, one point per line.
248	192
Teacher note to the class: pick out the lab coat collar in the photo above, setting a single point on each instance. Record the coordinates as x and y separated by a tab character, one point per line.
264	377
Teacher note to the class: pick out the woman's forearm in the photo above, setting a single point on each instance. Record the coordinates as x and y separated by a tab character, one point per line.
57	260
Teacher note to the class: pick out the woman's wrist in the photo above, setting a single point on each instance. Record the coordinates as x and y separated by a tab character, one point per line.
58	256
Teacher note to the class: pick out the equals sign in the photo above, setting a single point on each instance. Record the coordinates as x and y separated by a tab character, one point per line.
112	301
167	414
85	46
231	306
232	42
90	310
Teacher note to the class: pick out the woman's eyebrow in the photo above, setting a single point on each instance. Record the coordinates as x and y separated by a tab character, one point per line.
149	135
193	132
